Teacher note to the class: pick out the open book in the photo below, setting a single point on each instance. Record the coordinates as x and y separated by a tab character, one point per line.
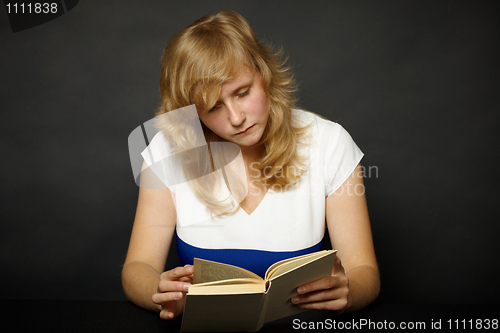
229	298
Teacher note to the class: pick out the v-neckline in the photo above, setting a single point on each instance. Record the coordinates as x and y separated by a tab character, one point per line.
258	205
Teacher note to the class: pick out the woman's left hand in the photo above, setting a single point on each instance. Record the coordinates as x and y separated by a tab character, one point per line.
328	293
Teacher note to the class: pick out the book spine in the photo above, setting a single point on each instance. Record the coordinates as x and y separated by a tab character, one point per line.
263	309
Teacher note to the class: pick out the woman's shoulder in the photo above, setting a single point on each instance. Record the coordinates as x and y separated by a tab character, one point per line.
319	125
158	149
326	135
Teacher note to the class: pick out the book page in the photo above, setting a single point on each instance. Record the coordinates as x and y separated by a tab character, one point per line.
270	271
284	286
233	286
290	264
230	281
206	271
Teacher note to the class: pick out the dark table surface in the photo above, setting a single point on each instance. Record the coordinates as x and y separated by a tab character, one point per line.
117	316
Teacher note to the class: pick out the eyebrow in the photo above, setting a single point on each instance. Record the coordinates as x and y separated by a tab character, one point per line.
241	86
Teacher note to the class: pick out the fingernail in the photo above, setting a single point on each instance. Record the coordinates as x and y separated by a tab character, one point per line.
177	295
301	290
190	270
186	286
295	300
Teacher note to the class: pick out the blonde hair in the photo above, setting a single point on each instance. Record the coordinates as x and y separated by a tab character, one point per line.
209	52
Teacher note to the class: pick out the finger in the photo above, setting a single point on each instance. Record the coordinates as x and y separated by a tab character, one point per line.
335	305
323	295
188	278
165	286
322	284
165	314
177	273
162	298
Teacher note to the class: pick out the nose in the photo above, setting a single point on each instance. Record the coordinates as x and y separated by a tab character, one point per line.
236	115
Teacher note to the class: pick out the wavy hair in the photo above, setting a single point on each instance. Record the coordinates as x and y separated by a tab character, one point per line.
204	55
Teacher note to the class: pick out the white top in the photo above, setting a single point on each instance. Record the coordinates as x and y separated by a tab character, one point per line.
288	220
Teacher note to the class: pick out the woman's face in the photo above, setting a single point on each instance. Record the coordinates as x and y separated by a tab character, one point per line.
241	112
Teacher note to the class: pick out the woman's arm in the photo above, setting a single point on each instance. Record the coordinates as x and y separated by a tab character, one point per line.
152	233
355	280
143	279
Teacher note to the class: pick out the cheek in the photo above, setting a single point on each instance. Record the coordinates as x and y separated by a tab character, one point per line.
260	104
215	124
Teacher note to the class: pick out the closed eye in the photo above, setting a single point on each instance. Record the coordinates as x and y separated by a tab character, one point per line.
244	93
214	108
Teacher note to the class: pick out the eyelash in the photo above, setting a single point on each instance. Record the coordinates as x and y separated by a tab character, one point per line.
243	94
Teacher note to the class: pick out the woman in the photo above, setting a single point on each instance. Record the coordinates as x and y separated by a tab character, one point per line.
300	169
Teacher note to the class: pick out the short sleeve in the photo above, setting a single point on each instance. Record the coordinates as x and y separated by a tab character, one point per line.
157	150
156	155
340	152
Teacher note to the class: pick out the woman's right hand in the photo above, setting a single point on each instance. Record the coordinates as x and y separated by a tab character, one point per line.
172	289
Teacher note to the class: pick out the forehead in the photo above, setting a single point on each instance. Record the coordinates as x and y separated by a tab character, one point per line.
206	91
241	76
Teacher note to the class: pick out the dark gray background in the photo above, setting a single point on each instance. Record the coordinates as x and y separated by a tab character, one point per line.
414	82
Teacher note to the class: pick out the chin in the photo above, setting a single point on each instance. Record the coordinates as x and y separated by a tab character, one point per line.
249	143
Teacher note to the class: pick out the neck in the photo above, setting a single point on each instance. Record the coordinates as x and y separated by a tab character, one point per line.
251	154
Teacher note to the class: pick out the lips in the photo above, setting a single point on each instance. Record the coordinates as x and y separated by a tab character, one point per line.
245	131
